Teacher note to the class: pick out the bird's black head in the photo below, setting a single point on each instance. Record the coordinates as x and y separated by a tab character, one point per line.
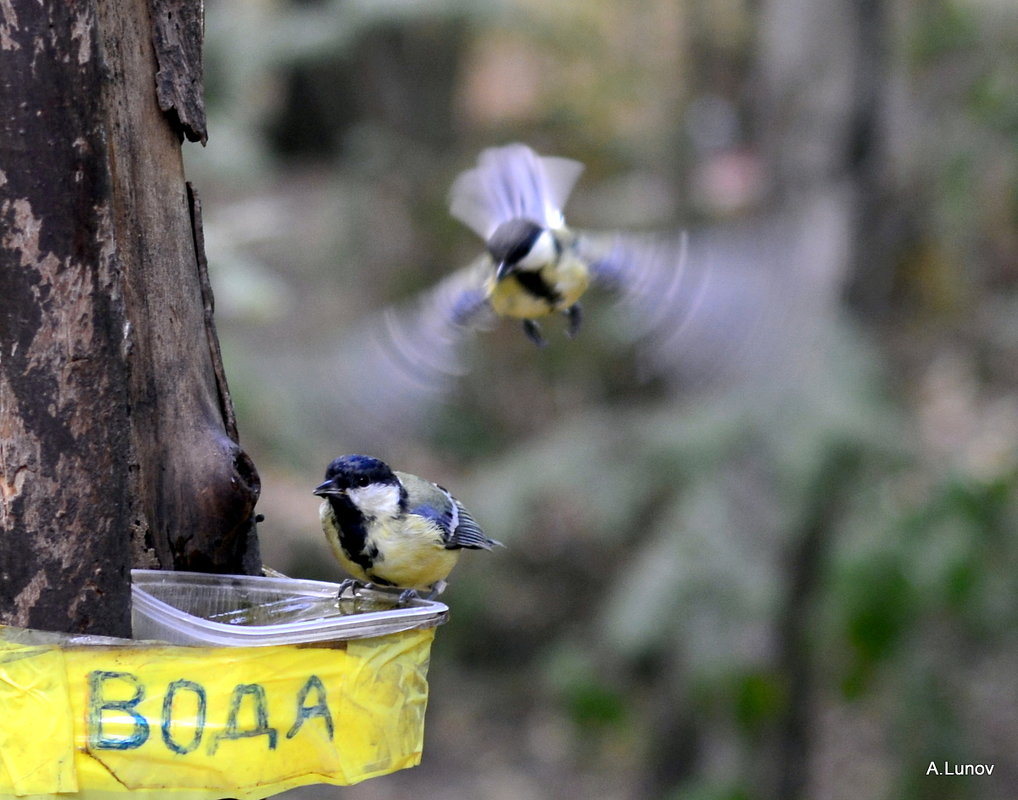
355	471
512	242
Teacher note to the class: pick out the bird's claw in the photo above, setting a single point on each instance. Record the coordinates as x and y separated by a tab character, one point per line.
533	332
574	317
352	588
350	585
406	597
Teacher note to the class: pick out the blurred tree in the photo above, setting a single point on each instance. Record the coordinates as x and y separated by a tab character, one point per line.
119	443
374	80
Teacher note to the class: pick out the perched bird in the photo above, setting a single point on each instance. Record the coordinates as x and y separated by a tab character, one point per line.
392	528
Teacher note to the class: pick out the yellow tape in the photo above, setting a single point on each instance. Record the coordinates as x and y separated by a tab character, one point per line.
195	723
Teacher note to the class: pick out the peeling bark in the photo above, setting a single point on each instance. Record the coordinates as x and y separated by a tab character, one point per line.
117	437
177	36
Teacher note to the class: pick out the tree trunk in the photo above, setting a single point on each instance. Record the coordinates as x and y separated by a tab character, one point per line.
823	72
117	441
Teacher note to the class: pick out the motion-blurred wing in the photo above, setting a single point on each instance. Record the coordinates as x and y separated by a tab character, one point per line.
723	316
652	274
396	366
724	304
712	305
513	182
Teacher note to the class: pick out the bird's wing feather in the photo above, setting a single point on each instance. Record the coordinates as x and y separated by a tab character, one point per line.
722	304
425	335
652	275
427	499
392	368
468	533
513	182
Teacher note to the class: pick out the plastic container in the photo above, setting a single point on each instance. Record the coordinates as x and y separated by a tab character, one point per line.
249	611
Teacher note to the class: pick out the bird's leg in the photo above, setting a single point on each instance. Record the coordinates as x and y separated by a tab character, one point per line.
533	332
574	315
352	585
436	589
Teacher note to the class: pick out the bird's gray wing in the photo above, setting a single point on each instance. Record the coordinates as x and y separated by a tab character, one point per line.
513	182
424	336
467	533
657	283
459	530
391	369
717	304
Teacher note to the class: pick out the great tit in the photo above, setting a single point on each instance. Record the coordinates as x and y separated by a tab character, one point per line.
400	362
533	265
392	528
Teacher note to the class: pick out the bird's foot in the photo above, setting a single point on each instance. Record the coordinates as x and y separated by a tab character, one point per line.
351	585
574	317
412	594
406	597
350	592
533	332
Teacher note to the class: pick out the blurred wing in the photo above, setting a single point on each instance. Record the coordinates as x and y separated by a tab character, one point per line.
720	304
397	365
513	182
656	282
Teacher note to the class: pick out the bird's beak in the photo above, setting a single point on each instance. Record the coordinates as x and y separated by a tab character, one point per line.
502	271
328	489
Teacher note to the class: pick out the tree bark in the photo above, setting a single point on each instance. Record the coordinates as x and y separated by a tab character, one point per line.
117	441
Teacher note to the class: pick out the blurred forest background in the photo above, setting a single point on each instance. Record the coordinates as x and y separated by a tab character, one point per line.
777	557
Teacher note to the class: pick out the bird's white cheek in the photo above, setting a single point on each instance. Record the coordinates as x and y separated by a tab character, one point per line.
541	254
375	500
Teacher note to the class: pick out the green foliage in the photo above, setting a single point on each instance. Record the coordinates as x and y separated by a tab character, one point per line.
708	790
759	697
595	705
880	609
947	27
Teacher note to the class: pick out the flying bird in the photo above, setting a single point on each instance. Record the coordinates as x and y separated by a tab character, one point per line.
532	266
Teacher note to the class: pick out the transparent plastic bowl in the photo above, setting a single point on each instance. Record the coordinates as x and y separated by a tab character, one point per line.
196	608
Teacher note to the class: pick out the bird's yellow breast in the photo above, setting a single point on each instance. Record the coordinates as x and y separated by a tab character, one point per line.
568	279
409	552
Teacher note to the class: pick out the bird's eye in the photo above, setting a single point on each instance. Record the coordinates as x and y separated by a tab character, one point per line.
363	480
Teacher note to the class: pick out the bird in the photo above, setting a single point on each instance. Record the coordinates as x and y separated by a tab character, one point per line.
533	265
394	529
399	363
